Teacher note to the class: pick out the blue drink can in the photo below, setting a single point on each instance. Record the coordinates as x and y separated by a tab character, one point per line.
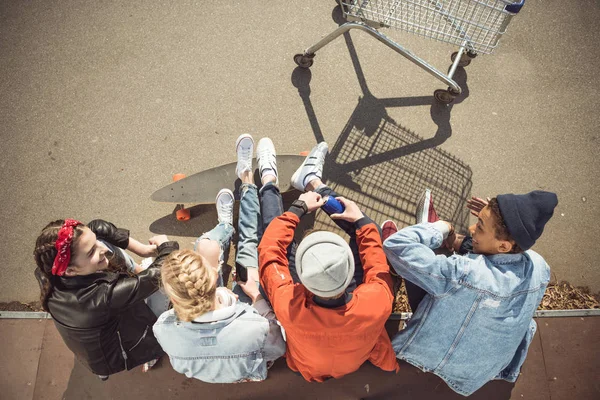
332	206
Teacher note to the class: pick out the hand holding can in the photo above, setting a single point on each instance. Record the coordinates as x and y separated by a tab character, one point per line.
350	212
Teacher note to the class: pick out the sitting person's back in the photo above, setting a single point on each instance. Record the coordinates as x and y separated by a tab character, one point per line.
208	334
475	323
334	316
332	338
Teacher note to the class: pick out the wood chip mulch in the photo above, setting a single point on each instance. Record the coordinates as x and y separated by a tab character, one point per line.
558	296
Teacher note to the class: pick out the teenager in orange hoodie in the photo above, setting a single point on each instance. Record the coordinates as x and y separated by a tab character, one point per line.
335	309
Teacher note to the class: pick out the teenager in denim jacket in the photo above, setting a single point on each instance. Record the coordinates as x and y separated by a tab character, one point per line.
210	335
473	321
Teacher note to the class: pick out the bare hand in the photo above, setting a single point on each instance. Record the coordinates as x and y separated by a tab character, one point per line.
158	240
148	250
351	213
313	200
250	288
476	204
449	242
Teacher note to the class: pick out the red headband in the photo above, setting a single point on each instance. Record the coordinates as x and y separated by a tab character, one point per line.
63	245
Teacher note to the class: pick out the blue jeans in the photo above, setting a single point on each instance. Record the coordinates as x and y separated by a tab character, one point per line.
248	234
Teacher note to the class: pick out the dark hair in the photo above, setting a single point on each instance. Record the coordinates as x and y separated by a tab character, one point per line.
44	254
500	227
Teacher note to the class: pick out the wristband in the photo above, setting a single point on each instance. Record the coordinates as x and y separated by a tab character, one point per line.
300	204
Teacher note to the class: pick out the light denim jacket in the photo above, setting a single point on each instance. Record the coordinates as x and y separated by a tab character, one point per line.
476	322
228	345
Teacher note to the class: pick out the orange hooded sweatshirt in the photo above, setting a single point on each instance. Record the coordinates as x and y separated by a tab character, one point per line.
329	342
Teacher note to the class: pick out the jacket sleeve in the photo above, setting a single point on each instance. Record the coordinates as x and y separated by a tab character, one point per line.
383	355
109	232
274	343
410	252
375	266
129	290
272	256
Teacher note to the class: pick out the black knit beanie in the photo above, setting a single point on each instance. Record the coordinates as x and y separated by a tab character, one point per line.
526	214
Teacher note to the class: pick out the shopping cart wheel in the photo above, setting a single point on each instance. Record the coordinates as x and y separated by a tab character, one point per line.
444	96
304	61
464	60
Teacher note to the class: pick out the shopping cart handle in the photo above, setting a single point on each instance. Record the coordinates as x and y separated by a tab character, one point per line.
515	7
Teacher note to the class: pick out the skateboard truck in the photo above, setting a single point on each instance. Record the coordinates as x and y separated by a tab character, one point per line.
182	213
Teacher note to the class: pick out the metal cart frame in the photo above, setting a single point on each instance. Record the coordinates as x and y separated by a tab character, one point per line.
476	26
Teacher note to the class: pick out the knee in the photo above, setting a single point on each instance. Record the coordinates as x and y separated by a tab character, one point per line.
210	250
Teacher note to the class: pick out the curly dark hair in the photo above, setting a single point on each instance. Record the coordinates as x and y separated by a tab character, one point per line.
500	227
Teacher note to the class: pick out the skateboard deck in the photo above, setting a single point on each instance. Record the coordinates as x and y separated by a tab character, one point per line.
202	187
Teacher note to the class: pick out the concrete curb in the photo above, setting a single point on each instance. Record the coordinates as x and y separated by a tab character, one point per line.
393	316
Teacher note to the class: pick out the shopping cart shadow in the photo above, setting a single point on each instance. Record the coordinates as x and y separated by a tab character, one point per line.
385	166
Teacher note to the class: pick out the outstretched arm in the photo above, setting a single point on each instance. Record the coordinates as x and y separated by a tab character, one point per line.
129	290
410	252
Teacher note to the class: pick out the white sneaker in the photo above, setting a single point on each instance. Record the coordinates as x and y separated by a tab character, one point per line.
311	168
224	203
266	158
244	146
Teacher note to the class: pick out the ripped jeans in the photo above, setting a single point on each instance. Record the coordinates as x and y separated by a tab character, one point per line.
222	234
247	246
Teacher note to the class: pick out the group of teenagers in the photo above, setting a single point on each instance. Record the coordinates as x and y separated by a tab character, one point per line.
321	302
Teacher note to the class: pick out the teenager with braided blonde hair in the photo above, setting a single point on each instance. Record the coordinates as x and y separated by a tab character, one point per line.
190	283
210	335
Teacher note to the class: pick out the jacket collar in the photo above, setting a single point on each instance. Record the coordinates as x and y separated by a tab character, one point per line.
217	315
333	303
498	259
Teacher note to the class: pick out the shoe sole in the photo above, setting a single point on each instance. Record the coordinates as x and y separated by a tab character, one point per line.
425	208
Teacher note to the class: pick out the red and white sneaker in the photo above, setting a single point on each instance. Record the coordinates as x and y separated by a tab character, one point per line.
388	228
425	210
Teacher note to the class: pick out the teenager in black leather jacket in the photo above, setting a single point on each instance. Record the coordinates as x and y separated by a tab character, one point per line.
99	311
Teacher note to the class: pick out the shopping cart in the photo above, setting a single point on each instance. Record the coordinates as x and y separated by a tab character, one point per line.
475	26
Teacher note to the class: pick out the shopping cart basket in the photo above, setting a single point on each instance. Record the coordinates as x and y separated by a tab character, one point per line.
475	26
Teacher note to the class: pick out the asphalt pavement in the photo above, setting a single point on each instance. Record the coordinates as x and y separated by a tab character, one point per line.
102	102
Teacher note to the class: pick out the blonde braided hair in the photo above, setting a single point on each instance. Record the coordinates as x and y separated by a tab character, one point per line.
190	283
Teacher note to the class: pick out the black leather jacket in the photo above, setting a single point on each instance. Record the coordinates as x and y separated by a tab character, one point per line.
102	317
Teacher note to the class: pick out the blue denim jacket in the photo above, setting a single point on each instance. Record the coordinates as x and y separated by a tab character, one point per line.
476	322
232	344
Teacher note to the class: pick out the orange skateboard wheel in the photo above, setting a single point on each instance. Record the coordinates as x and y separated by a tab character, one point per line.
304	153
183	214
178	177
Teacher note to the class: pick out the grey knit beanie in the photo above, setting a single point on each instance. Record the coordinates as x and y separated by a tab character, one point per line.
324	263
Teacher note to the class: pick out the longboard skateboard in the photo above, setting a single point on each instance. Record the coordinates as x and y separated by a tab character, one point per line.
202	187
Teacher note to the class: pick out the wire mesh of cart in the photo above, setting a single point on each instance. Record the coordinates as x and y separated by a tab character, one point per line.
476	26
